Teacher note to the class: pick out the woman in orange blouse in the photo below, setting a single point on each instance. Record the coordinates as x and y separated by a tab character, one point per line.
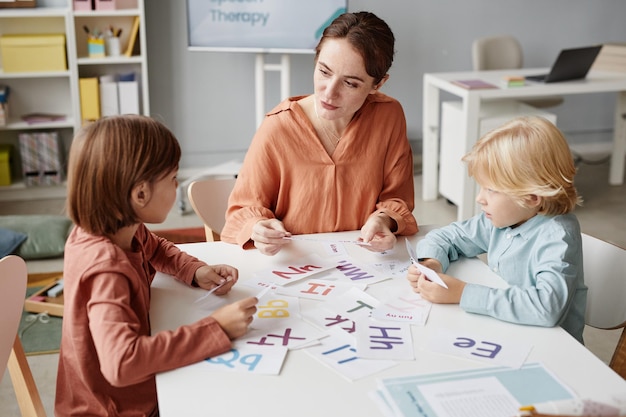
336	160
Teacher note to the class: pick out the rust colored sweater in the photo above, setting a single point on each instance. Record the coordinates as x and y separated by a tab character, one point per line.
108	357
287	174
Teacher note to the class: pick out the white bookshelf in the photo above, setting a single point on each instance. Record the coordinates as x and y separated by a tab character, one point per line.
57	92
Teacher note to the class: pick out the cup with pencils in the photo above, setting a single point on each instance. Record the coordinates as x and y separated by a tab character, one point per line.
113	47
95	43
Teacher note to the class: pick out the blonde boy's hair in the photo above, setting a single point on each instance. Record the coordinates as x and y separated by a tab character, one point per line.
526	156
108	158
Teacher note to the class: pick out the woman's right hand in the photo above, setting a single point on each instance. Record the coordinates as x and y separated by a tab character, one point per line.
235	318
268	236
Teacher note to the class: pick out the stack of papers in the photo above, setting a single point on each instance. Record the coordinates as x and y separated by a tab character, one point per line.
484	392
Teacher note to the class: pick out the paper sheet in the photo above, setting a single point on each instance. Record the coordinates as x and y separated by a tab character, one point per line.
480	397
430	274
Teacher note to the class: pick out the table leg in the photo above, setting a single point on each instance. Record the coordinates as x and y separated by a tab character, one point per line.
471	121
616	172
430	141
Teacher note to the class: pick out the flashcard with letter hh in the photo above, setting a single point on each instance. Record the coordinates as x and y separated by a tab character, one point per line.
376	339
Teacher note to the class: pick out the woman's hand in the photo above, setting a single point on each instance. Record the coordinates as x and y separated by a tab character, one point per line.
268	236
211	276
377	232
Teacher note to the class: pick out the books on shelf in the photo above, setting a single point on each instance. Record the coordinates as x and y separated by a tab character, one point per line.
132	38
4	105
119	95
474	84
41	158
89	99
34	118
612	57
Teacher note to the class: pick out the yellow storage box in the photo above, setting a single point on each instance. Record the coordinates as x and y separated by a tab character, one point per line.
5	165
33	53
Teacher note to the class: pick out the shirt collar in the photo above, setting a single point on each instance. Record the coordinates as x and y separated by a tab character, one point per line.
529	227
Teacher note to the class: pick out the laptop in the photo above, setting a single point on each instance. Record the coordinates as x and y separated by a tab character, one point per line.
571	64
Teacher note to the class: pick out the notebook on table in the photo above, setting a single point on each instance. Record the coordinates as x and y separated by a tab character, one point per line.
571	64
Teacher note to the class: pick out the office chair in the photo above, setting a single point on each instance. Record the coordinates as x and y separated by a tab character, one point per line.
505	52
13	279
605	276
209	199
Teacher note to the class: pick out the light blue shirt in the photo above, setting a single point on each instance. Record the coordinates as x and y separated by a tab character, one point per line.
542	261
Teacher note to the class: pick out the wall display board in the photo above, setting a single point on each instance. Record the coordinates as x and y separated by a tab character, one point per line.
273	26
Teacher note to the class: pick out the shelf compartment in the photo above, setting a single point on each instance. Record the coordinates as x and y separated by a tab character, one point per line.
110	60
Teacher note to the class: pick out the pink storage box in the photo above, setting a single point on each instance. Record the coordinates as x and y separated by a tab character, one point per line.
82	5
115	4
106	4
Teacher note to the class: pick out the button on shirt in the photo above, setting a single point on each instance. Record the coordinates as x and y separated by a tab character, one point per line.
541	260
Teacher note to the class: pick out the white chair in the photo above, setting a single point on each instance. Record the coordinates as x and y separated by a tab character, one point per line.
13	279
605	276
209	199
505	52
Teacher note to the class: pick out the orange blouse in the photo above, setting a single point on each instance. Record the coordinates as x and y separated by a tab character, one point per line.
287	174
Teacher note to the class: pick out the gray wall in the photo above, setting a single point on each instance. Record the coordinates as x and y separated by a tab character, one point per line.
207	98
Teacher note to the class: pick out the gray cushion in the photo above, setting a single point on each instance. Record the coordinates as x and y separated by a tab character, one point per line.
46	234
9	241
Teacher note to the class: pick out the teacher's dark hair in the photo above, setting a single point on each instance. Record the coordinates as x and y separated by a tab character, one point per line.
369	35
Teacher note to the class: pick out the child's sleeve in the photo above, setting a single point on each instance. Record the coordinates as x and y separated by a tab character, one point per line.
166	257
468	238
543	284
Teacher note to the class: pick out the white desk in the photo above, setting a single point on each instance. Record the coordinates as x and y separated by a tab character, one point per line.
307	388
596	82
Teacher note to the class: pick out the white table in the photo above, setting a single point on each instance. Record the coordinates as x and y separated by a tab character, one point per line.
596	82
307	388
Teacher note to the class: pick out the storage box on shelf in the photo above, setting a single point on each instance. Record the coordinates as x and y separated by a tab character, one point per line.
118	82
33	52
5	164
38	65
10	4
50	89
83	5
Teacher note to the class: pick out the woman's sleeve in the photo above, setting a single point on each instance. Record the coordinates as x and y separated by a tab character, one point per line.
397	198
255	190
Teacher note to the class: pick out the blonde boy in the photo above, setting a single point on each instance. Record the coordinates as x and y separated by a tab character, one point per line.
526	175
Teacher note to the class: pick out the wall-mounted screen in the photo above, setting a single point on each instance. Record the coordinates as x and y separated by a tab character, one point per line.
284	26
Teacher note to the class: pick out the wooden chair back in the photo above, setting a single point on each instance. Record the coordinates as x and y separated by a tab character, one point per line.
209	199
13	280
605	276
502	52
497	53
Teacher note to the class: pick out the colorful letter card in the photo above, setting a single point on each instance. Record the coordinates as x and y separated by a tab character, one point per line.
338	351
480	348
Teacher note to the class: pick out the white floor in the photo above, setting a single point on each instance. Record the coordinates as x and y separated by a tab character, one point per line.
603	215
